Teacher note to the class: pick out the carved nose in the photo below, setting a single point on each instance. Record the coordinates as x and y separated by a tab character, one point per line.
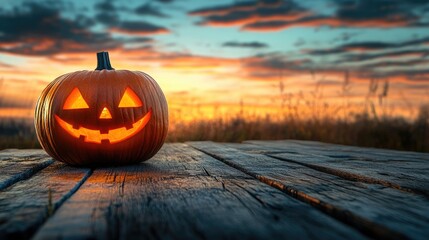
105	114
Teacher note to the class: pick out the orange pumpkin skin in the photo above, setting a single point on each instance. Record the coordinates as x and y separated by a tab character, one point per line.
115	117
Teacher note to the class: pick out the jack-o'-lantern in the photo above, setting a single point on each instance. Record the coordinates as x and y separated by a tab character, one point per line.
102	117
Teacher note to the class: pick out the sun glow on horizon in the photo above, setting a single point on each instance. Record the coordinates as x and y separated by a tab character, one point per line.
261	59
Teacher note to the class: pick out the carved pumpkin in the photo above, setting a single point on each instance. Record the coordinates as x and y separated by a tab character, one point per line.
102	117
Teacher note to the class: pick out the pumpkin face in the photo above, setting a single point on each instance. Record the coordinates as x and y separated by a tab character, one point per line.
106	135
102	117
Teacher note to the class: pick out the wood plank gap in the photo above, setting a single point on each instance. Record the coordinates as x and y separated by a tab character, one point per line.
63	199
352	176
406	171
28	204
72	191
363	225
155	200
26	174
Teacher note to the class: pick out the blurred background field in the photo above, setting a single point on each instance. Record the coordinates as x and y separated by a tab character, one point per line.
363	130
304	117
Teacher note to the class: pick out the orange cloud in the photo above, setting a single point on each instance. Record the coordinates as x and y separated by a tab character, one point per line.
266	26
253	18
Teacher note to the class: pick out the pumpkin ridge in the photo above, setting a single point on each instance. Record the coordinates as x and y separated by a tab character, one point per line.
125	138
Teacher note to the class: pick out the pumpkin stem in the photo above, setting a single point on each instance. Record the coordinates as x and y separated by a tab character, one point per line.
103	61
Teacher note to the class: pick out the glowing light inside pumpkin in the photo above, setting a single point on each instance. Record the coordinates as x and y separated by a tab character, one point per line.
112	136
75	101
105	114
130	99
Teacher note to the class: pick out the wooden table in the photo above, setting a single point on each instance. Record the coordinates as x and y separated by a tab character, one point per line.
205	190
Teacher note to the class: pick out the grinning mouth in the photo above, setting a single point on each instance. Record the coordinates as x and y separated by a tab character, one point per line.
110	136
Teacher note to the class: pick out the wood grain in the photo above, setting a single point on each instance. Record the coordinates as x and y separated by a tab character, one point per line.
25	205
407	171
376	210
184	194
17	165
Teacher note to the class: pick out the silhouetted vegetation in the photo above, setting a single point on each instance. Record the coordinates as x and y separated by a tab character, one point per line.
393	133
17	133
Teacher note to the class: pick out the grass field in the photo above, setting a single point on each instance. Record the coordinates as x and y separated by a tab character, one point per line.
387	132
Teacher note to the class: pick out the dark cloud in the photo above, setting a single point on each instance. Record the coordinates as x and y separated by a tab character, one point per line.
37	29
416	53
275	66
361	46
107	13
387	54
135	39
406	63
358	13
409	74
138	28
318	21
245	44
367	46
364	10
165	1
278	15
222	10
105	6
317	52
249	11
272	66
149	10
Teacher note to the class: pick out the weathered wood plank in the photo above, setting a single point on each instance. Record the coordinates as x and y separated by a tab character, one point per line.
378	211
27	204
184	194
408	171
331	149
17	165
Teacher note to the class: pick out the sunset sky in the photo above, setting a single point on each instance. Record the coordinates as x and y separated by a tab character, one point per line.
217	57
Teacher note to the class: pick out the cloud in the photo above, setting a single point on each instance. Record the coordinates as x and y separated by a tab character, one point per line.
273	67
318	21
249	12
40	30
390	63
106	13
279	15
270	67
245	44
415	75
138	28
148	10
105	6
394	11
165	1
369	46
391	54
402	59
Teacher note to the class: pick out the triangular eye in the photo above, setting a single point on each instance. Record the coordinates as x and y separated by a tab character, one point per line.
130	99
75	100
